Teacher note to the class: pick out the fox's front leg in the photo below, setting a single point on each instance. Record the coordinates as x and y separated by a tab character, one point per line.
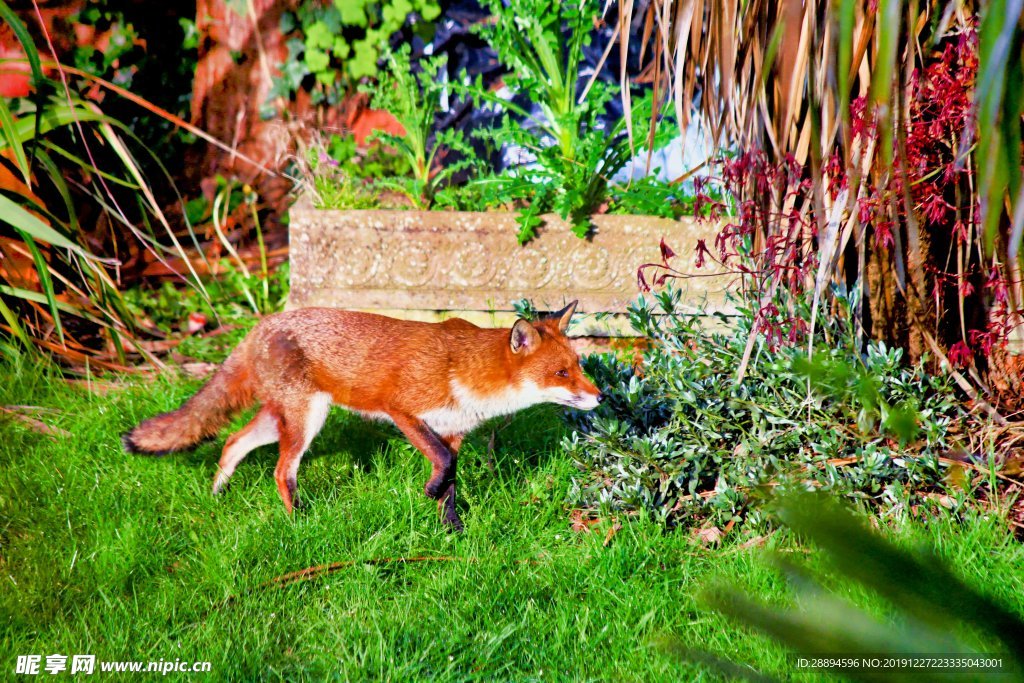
442	461
446	504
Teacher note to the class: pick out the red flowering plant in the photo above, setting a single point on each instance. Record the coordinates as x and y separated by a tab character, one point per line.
904	233
767	240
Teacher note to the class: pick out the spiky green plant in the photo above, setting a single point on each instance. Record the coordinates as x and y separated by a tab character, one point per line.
414	99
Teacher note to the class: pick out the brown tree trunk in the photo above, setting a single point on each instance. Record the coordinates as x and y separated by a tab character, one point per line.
234	71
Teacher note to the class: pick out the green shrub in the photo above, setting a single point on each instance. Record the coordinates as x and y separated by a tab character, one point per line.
680	438
336	44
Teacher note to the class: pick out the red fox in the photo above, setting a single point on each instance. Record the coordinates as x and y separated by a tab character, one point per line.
435	381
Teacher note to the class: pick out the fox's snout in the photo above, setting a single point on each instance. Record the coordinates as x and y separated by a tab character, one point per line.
587	400
585	396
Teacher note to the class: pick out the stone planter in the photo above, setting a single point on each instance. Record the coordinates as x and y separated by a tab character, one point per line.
429	265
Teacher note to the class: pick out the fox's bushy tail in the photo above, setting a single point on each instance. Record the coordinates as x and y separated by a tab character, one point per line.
200	417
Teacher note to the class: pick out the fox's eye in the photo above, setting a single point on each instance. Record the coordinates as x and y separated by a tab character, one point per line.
562	373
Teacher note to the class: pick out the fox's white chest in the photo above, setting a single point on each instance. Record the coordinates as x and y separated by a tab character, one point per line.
469	409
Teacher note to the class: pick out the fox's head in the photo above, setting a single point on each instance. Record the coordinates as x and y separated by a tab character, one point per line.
547	361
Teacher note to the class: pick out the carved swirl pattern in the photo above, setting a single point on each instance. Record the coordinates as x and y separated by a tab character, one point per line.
529	268
471	265
355	260
591	267
406	261
410	262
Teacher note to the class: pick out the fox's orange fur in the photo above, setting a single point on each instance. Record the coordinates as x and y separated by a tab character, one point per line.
434	381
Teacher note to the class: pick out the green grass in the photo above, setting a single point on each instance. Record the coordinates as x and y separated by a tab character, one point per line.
127	557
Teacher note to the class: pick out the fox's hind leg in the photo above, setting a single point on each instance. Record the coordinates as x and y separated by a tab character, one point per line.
300	422
261	430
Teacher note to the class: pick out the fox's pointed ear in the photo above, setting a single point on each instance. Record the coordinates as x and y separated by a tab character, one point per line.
524	337
564	316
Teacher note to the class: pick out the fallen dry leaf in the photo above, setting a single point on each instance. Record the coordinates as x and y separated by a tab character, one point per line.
614	529
710	535
1013	466
942	499
18	413
755	542
199	370
581	521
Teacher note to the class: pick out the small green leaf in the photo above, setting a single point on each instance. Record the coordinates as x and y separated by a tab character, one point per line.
341	48
364	61
319	36
352	13
430	11
316	60
327	76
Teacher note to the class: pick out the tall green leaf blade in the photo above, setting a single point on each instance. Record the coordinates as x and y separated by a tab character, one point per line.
997	109
39	298
922	586
888	31
9	139
844	56
46	282
29	223
12	321
55	116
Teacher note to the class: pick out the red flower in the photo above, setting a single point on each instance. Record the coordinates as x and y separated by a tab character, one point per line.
960	232
883	235
934	206
996	283
702	252
984	340
960	354
865	209
666	251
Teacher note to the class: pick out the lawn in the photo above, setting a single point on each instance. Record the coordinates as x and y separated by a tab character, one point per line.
131	558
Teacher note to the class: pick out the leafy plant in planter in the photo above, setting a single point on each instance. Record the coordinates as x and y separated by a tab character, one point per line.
414	99
343	175
572	155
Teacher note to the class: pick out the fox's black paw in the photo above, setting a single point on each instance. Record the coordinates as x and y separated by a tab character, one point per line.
453	524
435	487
